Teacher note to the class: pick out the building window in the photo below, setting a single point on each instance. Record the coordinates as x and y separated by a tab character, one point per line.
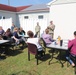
40	17
3	17
26	17
0	17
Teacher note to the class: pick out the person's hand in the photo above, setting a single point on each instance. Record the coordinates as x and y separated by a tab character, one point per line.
17	40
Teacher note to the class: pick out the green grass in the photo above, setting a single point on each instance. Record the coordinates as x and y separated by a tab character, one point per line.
17	64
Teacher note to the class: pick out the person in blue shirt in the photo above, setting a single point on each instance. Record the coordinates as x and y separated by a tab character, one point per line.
12	27
16	36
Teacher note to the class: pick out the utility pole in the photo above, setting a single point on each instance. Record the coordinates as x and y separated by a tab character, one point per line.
8	2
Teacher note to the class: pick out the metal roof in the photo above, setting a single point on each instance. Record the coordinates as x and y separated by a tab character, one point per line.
25	9
36	8
11	8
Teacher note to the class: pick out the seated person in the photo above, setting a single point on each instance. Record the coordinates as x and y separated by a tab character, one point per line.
1	31
72	47
16	37
7	34
35	41
21	31
46	37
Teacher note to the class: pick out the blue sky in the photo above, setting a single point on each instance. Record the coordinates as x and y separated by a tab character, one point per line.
24	2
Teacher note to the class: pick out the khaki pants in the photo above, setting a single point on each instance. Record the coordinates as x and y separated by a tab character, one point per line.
38	35
52	35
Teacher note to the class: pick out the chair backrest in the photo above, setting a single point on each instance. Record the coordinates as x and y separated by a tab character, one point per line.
32	48
44	43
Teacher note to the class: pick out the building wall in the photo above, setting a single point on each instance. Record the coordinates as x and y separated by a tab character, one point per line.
26	24
30	23
64	17
9	18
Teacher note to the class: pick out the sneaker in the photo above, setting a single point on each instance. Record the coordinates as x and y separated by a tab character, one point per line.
73	64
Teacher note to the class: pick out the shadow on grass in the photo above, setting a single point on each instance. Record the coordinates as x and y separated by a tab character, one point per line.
59	56
46	57
2	57
33	72
14	52
17	50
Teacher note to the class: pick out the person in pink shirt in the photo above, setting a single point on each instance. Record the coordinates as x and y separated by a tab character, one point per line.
72	47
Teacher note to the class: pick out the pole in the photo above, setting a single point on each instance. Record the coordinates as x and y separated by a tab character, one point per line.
8	2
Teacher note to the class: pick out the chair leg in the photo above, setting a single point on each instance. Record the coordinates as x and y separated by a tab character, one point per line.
28	56
37	59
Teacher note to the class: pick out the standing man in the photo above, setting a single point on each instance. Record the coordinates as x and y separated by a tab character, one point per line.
51	28
12	27
37	30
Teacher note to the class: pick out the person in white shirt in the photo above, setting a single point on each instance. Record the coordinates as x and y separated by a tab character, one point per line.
35	41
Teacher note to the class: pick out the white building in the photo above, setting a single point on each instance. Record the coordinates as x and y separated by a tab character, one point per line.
63	13
29	17
7	15
24	16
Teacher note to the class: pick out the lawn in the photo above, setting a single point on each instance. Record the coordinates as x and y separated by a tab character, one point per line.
16	63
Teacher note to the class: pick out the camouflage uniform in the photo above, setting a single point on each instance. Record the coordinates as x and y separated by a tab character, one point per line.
37	30
51	28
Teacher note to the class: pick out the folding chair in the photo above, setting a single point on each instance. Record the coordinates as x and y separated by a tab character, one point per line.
32	49
44	44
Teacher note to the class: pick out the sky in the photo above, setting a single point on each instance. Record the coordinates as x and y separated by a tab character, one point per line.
23	2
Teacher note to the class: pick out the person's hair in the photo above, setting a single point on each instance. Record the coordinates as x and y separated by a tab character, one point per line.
16	28
8	30
46	31
30	33
75	33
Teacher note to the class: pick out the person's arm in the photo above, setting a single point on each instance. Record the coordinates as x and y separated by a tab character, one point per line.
70	43
50	38
15	38
53	27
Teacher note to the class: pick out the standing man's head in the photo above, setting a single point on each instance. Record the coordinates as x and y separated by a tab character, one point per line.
13	24
51	22
38	23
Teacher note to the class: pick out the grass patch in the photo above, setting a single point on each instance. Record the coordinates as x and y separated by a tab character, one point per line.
17	64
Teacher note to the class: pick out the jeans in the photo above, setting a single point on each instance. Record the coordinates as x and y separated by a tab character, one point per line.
69	59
